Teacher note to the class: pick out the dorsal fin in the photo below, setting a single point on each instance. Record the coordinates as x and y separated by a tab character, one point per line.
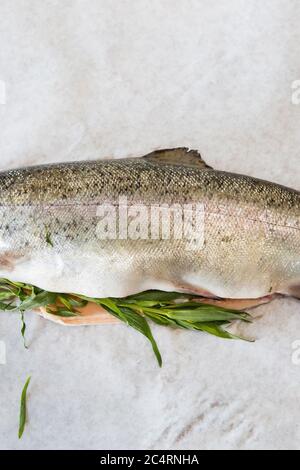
178	156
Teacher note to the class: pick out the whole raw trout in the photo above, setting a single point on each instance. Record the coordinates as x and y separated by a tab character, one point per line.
165	221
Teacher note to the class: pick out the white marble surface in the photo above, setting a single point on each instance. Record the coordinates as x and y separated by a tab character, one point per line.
88	79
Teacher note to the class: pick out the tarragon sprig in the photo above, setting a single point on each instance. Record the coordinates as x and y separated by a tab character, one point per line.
172	309
23	410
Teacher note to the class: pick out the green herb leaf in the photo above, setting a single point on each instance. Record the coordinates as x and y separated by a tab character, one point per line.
76	303
23	411
5	307
65	301
134	320
206	313
140	324
217	330
112	307
157	296
23	329
39	300
60	312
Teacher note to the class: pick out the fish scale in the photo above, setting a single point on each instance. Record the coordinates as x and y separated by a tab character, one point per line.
251	240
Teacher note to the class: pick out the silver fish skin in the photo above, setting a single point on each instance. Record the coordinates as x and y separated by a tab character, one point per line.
50	223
